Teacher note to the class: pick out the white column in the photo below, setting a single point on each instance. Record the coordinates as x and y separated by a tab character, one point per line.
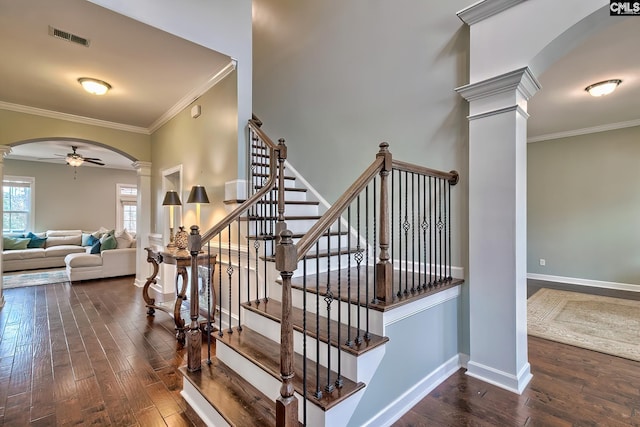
498	228
143	221
4	150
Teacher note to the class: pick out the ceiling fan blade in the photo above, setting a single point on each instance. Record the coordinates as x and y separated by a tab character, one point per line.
95	162
92	158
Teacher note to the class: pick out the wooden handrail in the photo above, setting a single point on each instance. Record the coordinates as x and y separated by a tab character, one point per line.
281	151
452	176
334	212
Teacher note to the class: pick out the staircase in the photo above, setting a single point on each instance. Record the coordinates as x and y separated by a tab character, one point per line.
299	326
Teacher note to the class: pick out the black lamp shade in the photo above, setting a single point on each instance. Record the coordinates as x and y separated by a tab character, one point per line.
171	199
198	195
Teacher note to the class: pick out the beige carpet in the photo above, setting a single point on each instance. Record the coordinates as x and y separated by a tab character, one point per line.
34	278
604	324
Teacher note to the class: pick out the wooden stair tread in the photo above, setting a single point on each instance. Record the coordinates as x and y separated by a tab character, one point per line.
265	353
266	175
275	202
285	188
411	278
272	309
273	218
239	403
321	254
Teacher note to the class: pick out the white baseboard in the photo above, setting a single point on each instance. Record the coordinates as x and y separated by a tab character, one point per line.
396	409
505	380
585	282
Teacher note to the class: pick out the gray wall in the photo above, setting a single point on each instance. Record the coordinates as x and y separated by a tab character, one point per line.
87	202
417	346
584	206
336	78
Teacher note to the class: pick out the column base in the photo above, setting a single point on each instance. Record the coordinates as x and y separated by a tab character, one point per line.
505	380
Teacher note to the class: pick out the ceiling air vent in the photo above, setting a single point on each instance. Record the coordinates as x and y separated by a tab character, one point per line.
68	36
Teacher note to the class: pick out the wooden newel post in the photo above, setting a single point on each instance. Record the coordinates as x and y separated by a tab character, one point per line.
286	264
194	336
384	268
282	156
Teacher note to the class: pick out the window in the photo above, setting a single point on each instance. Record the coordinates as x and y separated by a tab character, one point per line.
18	203
127	206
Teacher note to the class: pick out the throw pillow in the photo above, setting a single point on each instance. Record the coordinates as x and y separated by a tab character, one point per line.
35	241
85	239
124	239
98	234
109	242
15	243
95	248
91	240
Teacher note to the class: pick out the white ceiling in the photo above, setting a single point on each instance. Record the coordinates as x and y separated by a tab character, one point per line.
154	73
562	107
151	72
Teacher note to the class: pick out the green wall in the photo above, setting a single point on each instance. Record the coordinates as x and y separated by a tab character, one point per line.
207	149
86	200
584	206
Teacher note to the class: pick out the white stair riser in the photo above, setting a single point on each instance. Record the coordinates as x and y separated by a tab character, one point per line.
335	241
265	382
271	330
321	265
296	226
297	295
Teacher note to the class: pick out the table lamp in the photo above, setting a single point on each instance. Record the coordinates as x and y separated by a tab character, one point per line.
171	199
198	195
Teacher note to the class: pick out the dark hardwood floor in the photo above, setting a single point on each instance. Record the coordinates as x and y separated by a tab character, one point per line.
570	387
88	355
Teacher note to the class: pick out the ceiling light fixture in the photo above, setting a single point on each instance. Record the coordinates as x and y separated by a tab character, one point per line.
94	86
603	88
74	160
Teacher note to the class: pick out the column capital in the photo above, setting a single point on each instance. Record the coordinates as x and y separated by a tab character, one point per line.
521	80
143	168
4	150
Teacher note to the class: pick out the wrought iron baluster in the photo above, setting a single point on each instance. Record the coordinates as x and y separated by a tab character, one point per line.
349	341
366	298
328	299
304	341
449	207
375	236
256	246
406	226
240	280
413	234
220	333
358	258
430	235
318	393
230	274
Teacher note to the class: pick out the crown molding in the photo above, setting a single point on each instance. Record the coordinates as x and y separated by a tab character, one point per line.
193	95
585	131
485	9
521	79
71	118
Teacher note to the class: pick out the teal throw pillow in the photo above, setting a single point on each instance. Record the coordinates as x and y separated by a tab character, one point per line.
91	240
95	248
108	242
15	243
35	241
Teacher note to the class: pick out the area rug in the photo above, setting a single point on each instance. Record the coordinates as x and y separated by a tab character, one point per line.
604	324
34	278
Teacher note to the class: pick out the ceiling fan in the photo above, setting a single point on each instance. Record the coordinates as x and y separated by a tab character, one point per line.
75	159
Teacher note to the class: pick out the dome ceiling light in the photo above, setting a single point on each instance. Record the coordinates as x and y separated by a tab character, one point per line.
603	88
94	86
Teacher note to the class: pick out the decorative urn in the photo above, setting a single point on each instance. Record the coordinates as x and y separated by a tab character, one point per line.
182	238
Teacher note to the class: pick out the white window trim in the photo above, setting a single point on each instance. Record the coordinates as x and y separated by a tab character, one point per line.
119	202
32	185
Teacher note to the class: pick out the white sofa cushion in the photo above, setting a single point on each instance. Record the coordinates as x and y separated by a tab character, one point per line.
83	260
63	240
61	233
23	254
63	250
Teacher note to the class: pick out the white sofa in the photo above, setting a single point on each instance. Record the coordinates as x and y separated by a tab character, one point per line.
58	245
109	263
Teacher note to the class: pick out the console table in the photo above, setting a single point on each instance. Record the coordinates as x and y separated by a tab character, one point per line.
181	258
